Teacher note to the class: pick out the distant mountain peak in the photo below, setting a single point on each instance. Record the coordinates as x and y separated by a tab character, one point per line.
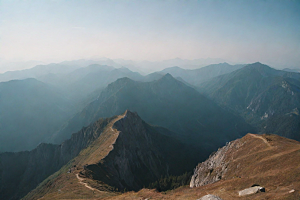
167	75
173	69
258	65
101	67
124	79
263	69
167	78
130	114
224	63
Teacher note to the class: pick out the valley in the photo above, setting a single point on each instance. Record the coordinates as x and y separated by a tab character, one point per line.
118	134
151	99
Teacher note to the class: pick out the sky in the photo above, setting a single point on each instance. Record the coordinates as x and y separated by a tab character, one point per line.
238	31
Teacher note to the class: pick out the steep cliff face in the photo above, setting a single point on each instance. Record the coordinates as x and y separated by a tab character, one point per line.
214	167
269	161
23	171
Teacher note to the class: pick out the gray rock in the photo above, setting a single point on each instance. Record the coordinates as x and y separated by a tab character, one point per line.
214	168
210	197
251	190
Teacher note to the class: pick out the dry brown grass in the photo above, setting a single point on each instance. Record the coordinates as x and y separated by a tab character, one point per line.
68	186
268	160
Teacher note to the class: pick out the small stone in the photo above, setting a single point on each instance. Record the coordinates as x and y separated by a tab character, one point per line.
210	197
291	191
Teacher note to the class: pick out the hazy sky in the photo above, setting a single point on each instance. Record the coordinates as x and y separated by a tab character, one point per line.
239	31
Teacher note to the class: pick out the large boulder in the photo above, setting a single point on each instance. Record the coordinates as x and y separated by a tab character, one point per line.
251	190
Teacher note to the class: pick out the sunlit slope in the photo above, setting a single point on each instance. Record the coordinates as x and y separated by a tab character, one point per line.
270	161
127	155
21	172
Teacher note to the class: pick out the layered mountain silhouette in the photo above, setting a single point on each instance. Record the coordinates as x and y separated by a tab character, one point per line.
166	102
38	71
292	70
78	82
122	152
102	154
195	77
265	97
83	81
30	112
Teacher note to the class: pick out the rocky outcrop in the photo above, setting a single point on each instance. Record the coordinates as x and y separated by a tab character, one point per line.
244	165
210	197
214	168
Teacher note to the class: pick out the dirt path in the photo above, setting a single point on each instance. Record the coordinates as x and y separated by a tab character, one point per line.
269	148
262	138
115	131
258	137
85	184
281	154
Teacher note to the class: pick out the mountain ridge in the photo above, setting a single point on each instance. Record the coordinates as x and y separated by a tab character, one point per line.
166	102
128	154
30	111
262	95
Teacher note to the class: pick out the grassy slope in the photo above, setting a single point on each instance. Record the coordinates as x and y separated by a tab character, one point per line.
102	159
65	185
273	165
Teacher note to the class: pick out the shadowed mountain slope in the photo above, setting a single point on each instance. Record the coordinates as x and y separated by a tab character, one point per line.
37	71
112	154
30	112
83	81
265	97
198	76
166	102
269	161
21	172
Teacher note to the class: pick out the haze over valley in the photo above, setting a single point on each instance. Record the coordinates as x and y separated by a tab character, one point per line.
149	100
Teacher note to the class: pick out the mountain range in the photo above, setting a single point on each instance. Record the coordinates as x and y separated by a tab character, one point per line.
30	111
116	154
99	130
33	109
197	76
267	98
166	102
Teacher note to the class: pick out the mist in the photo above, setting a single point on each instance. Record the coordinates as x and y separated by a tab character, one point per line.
236	32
